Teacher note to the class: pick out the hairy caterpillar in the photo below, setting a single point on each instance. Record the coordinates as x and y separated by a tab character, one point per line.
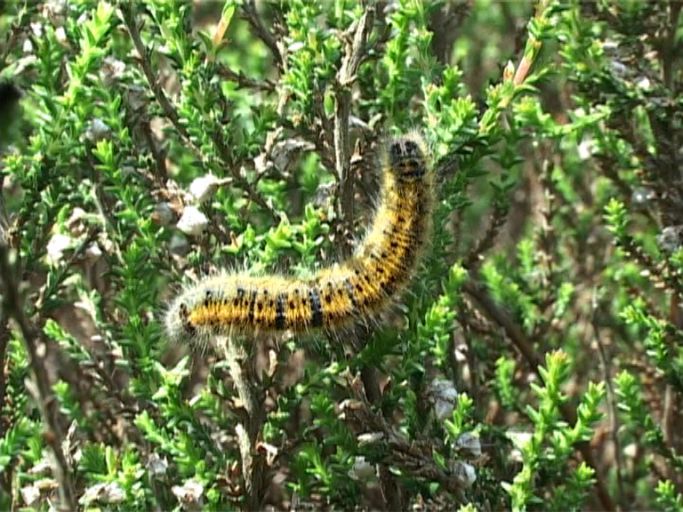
338	295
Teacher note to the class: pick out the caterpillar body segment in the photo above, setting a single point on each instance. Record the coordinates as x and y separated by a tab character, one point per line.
336	296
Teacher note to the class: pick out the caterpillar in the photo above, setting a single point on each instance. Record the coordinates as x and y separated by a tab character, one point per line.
338	295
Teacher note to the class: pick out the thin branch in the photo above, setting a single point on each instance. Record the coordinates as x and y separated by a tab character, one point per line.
253	416
172	115
612	407
524	345
4	341
47	402
497	219
162	100
244	81
500	317
251	15
345	77
13	34
413	456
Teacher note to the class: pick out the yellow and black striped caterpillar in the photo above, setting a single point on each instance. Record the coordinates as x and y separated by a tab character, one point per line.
336	296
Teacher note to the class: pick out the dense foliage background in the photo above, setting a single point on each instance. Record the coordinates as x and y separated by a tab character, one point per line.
535	363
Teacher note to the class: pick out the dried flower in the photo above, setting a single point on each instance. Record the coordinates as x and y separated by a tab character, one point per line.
30	494
370	438
204	187
97	130
642	196
112	70
361	469
670	238
469	443
110	492
56	247
586	148
443	396
157	466
189	494
163	214
193	222
465	473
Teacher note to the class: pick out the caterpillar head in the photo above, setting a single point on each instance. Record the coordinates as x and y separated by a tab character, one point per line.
176	321
407	158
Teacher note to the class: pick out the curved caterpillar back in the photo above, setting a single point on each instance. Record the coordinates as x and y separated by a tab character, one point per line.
335	296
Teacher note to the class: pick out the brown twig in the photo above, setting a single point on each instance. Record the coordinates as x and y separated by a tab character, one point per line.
251	15
444	23
4	341
13	35
612	406
491	310
253	416
525	347
413	456
497	219
165	104
244	81
355	48
47	402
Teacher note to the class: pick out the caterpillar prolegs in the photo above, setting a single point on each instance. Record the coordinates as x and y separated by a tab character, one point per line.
336	296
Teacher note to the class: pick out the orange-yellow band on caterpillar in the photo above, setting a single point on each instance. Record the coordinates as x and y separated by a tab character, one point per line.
337	295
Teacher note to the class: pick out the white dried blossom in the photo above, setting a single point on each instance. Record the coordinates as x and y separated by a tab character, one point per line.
189	494
465	473
361	469
41	467
46	484
30	494
54	8
296	46
642	196
443	396
163	214
110	492
93	252
586	148
519	440
285	152
97	130
631	450
204	187
27	47
56	247
262	164
610	45
193	222
370	438
271	452
37	29
644	83
136	96
60	35
112	70
76	221
470	443
178	245
157	466
670	238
